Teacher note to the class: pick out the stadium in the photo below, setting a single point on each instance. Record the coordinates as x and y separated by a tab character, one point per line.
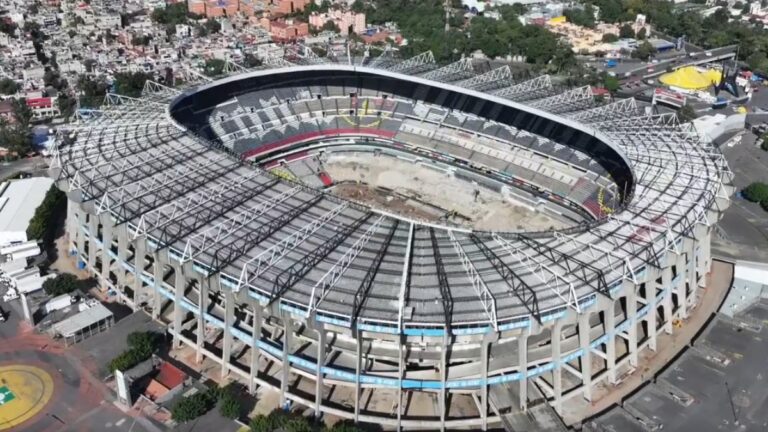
401	243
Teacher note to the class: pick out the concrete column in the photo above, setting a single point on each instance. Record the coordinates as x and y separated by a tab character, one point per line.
400	370
159	271
139	261
484	354
668	313
444	377
122	255
73	222
557	372
106	237
320	329
93	230
202	309
651	289
229	321
685	271
610	344
180	285
358	366
485	357
632	329
522	348
81	236
586	357
157	299
255	351
287	338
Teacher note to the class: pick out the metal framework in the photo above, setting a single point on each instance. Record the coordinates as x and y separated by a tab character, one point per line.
486	297
462	69
491	80
419	64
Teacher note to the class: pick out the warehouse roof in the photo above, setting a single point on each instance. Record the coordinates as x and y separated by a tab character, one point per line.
19	201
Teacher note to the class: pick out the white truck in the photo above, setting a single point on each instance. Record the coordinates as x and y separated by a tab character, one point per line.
60	302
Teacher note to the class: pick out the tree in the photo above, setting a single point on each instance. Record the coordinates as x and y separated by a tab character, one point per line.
141	346
92	91
358	6
130	83
686	113
192	407
764	142
142	40
644	51
8	86
64	283
212	26
330	26
251	61
580	17
610	38
611	83
642	34
755	192
214	67
626	32
43	224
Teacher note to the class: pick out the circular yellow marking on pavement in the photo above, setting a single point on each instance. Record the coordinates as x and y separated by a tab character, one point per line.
24	392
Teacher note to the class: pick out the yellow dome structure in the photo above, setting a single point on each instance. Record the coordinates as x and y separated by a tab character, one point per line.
691	78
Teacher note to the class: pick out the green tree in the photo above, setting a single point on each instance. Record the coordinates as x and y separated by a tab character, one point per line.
251	61
764	142
63	283
755	192
642	34
330	26
581	17
611	83
212	26
644	51
610	38
192	407
43	224
686	113
8	86
626	31
141	346
214	67
92	91
130	83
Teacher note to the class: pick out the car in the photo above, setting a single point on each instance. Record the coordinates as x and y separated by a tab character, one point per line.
2	315
708	54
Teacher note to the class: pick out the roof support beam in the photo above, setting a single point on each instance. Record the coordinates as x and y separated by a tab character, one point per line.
361	295
288	277
323	286
257	265
442	280
487	300
520	288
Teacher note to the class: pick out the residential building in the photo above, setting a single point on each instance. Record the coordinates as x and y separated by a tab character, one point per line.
344	20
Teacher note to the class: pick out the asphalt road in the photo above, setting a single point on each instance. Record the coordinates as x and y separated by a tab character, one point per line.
35	165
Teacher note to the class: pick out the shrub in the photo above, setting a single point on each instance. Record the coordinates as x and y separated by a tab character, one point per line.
756	192
764	204
229	405
141	345
192	407
764	143
64	283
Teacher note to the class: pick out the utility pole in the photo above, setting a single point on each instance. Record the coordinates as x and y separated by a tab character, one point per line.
733	407
447	6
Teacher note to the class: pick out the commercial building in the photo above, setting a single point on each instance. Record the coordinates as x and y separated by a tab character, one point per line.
18	201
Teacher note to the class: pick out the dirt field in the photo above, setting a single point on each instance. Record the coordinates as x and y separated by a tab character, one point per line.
415	191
